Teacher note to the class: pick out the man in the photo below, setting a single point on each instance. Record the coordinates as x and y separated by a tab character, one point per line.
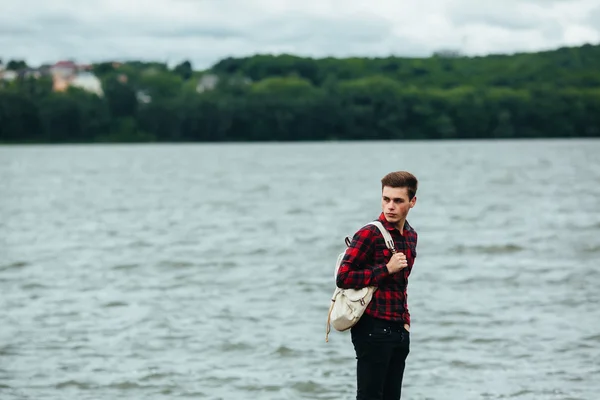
381	337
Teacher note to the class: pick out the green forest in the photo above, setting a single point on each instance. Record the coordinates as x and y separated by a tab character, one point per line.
550	94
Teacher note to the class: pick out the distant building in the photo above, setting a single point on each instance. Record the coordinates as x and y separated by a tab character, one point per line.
207	82
27	73
64	69
45	70
63	72
8	76
87	81
143	97
68	73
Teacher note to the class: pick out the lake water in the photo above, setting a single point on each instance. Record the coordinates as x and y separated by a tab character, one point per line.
205	270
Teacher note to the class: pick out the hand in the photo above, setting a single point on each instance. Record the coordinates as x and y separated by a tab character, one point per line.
397	263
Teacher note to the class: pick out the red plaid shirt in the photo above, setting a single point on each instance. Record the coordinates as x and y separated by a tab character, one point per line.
364	264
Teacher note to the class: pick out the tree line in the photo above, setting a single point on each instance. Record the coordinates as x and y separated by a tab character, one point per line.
553	94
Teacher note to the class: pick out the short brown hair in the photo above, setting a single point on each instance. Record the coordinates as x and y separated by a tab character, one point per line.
400	179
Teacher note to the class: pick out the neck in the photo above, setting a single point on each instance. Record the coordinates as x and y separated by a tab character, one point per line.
400	226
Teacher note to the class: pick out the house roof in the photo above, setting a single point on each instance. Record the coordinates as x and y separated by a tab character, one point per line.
66	64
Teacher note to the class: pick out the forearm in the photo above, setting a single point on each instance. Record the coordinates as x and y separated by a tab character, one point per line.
352	278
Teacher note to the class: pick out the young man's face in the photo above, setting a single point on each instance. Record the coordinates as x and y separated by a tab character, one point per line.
395	203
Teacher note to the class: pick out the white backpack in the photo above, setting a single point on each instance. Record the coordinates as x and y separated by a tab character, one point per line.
348	305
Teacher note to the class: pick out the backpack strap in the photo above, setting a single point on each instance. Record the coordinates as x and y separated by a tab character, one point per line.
389	242
387	238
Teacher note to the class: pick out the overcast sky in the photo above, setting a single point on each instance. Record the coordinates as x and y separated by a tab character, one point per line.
205	31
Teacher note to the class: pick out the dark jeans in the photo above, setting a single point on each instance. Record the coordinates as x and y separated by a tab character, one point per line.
381	349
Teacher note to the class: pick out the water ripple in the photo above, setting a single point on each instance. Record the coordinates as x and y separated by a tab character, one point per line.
158	284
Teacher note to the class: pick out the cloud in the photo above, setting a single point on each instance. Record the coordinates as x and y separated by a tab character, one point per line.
314	28
594	19
508	15
205	31
12	30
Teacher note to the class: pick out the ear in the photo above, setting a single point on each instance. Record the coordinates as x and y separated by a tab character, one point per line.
413	202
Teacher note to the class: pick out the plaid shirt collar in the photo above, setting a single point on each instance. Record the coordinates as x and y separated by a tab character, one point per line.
390	227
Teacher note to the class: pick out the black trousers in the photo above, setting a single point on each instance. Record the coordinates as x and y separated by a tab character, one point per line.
381	350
